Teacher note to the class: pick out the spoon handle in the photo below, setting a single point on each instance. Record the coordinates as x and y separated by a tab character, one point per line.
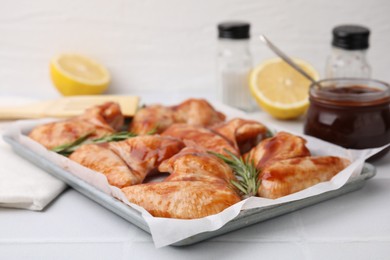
286	58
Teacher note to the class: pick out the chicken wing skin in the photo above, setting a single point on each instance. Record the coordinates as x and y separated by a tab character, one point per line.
282	146
288	176
199	185
158	118
147	152
96	122
107	115
200	136
193	164
100	158
127	162
152	118
243	134
182	199
197	112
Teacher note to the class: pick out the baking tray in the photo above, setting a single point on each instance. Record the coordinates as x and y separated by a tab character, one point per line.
244	219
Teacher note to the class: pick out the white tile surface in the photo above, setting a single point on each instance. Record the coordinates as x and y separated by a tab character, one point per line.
285	228
62	250
222	250
360	215
350	250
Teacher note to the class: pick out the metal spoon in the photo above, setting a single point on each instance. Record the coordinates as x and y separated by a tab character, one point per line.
287	59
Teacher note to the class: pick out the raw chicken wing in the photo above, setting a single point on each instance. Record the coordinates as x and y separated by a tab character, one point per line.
152	118
243	134
182	199
291	175
202	137
199	185
197	112
282	146
96	122
100	158
194	164
127	162
158	118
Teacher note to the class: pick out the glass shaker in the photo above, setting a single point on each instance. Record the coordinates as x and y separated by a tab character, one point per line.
234	63
348	56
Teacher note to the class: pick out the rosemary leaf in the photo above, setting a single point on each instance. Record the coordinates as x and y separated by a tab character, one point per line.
239	186
246	172
120	136
153	131
67	149
270	133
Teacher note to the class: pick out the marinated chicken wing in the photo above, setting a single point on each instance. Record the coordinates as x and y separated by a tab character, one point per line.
194	164
158	118
127	162
100	158
243	134
107	115
202	137
197	112
288	176
182	199
199	185
145	153
95	122
152	118
282	146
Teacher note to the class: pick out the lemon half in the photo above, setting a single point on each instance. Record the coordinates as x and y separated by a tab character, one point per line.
279	89
75	74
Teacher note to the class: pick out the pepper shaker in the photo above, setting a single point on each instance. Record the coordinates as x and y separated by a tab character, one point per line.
348	57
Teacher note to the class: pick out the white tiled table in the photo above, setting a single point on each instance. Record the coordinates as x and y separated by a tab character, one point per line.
353	226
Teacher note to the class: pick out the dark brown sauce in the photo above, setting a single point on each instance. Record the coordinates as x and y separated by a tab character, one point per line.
357	126
356	89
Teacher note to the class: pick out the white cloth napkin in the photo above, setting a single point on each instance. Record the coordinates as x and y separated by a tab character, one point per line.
22	184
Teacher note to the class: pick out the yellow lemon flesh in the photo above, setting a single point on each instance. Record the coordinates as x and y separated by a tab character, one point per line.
279	89
74	74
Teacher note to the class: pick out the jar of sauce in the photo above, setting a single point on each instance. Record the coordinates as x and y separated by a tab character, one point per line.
350	112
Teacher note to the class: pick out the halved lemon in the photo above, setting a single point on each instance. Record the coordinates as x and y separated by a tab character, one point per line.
75	74
279	89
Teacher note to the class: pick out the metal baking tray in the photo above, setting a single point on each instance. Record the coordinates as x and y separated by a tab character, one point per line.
244	219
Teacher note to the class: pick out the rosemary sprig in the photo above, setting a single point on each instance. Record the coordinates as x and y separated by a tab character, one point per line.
269	133
67	149
152	131
115	137
247	174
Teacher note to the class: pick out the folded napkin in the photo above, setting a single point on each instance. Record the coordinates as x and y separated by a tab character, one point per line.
22	184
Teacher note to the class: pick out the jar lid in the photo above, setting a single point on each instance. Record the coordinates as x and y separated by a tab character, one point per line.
351	37
233	30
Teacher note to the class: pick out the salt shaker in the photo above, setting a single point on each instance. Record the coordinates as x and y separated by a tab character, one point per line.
348	57
234	62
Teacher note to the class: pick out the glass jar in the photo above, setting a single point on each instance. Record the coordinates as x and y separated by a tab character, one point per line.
350	112
348	57
234	62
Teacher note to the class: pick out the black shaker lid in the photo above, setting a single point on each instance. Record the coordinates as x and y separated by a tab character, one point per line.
351	37
234	30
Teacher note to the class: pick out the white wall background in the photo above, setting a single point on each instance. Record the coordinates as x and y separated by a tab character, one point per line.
170	45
